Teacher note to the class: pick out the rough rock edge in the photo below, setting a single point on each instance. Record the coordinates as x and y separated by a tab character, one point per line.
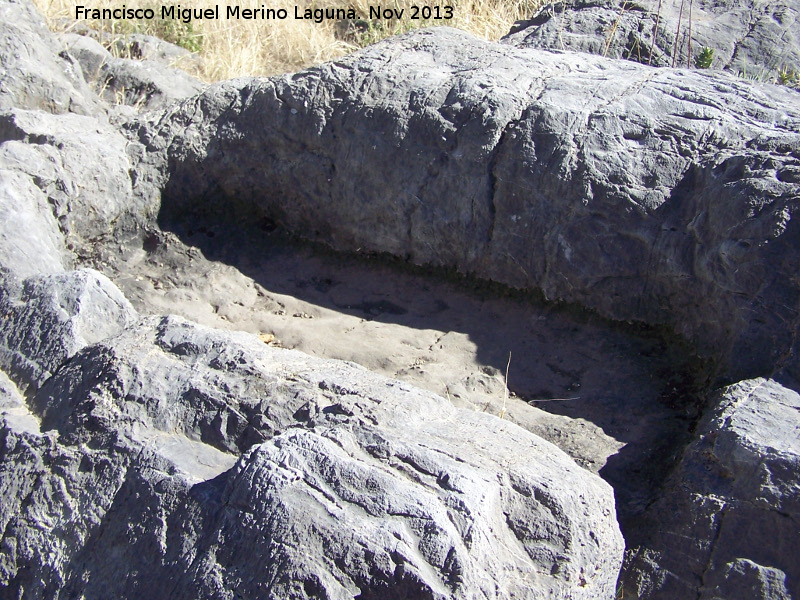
737	563
149	401
143	84
467	152
726	525
754	41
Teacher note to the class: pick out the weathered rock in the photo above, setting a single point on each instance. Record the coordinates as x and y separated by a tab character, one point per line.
207	463
754	39
76	168
49	318
352	484
10	396
38	73
139	46
24	208
654	195
727	525
83	167
47	509
90	54
144	84
13	409
35	72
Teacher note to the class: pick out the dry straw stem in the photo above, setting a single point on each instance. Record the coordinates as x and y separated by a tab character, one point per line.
505	381
655	33
689	51
234	48
610	37
677	35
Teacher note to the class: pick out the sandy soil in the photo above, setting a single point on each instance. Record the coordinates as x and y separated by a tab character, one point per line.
616	398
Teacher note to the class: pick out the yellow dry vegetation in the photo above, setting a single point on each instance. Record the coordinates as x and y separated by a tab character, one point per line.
231	48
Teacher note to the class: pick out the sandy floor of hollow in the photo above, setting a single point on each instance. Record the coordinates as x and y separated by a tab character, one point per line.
597	391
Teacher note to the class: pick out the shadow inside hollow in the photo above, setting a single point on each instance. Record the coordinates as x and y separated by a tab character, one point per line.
638	384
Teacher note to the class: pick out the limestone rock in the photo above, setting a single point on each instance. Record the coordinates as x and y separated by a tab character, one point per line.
9	393
654	195
83	167
144	84
35	72
24	208
349	483
90	54
208	464
727	524
751	38
49	318
139	46
76	167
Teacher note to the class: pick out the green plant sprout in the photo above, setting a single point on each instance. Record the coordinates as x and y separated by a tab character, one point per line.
705	58
789	76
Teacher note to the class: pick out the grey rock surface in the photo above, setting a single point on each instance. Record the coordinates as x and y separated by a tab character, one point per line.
67	179
748	37
23	207
13	409
49	318
145	84
660	196
348	484
35	72
10	396
82	166
209	464
143	439
141	82
727	523
139	46
90	54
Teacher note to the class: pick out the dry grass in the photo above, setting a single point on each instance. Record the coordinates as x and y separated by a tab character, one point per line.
232	48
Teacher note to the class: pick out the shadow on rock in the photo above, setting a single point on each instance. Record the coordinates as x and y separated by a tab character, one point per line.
639	386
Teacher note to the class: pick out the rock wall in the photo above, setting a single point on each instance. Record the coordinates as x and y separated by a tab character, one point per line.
727	523
652	195
36	72
149	456
148	83
213	463
755	39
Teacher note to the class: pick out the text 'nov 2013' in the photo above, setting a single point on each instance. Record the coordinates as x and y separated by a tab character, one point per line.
187	15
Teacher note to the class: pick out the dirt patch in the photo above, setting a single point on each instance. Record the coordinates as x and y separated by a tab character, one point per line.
621	400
